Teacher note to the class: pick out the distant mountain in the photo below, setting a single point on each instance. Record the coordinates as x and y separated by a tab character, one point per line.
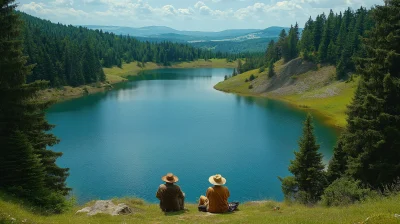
151	31
139	32
223	40
253	45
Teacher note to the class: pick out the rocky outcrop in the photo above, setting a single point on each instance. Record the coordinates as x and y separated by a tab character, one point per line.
106	207
284	77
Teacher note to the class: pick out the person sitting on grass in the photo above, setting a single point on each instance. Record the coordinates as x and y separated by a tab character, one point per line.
170	195
216	199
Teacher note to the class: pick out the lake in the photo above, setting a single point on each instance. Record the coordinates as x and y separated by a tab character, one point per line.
119	143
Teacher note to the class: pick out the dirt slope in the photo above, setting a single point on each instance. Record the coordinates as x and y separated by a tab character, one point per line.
301	83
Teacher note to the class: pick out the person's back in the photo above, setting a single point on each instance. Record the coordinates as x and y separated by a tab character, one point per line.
170	195
218	199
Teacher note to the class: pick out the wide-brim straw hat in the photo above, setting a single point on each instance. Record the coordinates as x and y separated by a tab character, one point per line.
170	178
217	179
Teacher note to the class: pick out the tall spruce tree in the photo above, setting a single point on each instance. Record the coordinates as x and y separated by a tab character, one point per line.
307	40
369	148
27	168
309	179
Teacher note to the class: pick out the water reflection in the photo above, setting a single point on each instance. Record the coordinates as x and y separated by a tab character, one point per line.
176	122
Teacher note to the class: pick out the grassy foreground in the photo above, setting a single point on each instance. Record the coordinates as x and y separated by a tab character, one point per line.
379	211
316	90
115	75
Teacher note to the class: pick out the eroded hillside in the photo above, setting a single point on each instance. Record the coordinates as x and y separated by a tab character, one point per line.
304	84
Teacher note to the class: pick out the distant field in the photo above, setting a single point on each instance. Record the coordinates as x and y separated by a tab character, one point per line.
316	90
376	211
132	68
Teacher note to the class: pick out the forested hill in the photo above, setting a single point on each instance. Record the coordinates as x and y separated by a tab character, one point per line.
334	39
69	55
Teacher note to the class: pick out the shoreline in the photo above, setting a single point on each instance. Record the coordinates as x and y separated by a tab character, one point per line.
117	75
327	120
314	90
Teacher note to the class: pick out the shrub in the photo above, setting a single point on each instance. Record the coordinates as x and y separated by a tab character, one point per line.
262	69
252	77
246	80
344	191
289	188
250	86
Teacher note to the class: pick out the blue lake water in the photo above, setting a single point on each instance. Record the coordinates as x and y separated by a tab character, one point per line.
119	143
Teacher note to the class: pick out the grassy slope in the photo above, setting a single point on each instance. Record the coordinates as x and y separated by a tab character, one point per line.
116	75
323	95
381	210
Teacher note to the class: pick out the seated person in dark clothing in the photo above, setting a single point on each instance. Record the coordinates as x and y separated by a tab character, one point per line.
170	195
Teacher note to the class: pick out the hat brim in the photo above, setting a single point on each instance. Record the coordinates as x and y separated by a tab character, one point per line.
211	180
164	178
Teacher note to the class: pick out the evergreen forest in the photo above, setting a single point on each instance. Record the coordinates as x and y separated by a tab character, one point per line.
329	40
74	56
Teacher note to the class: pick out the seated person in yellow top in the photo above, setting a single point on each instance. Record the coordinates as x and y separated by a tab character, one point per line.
216	198
170	195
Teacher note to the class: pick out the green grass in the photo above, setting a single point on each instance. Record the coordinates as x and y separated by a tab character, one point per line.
380	210
331	108
237	84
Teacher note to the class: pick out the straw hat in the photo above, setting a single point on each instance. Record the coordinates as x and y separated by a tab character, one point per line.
217	179
170	178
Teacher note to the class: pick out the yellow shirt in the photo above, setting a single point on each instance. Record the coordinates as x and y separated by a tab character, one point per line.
218	199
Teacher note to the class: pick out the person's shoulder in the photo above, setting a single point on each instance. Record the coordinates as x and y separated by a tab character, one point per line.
162	186
210	189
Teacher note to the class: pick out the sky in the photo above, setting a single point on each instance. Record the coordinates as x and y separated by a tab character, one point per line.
193	15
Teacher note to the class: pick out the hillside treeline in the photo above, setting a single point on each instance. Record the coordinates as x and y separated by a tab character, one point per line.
334	39
366	158
69	55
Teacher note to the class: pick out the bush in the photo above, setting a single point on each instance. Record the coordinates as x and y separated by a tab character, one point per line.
344	191
250	86
246	80
262	69
289	188
252	77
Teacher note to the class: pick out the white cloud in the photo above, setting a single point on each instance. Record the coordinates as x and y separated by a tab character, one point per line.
63	2
42	9
238	14
199	4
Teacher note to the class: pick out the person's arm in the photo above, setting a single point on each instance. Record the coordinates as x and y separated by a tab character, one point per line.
180	193
158	194
208	192
228	193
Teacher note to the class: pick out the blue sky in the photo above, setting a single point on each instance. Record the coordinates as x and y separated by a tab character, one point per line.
205	15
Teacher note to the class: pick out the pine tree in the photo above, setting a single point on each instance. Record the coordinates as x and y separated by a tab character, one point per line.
318	30
326	37
306	44
280	45
307	167
371	141
234	72
271	53
239	67
27	167
271	70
